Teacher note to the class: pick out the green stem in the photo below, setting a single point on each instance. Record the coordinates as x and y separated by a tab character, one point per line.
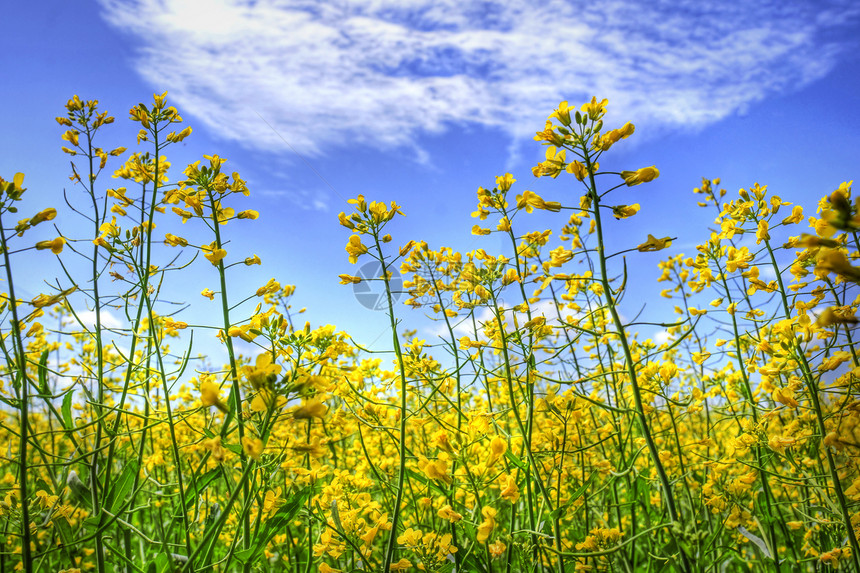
236	392
395	519
629	363
21	376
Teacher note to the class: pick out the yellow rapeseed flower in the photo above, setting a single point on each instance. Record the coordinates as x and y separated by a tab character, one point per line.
355	248
209	395
56	245
643	175
253	447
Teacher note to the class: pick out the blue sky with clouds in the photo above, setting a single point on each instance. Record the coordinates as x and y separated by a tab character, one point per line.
422	101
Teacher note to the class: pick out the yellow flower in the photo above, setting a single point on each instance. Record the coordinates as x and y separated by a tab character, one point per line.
504	182
486	527
530	200
410	537
831	557
610	138
345	221
435	470
481	292
263	373
643	175
174	241
779	443
379	212
253	447
401	565
243	332
44	300
594	109
173	325
497	549
549	135
795	217
35	330
449	514
654	244
555	162
271	287
208	293
311	409
349	279
209	395
510	492
831	260
625	211
836	315
559	256
355	248
536	322
221	214
807	241
174	137
562	114
44	215
359	202
498	447
56	245
577	169
263	399
785	396
440	438
71	136
738	259
248	214
213	254
762	233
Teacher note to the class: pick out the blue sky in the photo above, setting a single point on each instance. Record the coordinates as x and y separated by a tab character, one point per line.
422	101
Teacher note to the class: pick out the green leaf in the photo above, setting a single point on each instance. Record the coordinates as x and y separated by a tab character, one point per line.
64	530
560	510
66	411
515	460
43	373
471	562
426	481
278	522
235	448
758	541
197	488
161	564
121	487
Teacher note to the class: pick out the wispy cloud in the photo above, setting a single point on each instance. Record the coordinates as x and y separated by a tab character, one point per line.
88	319
316	200
384	72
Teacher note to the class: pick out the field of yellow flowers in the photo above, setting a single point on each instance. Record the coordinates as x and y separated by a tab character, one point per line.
541	441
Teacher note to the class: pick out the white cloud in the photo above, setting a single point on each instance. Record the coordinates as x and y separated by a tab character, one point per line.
88	319
383	72
316	200
662	337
